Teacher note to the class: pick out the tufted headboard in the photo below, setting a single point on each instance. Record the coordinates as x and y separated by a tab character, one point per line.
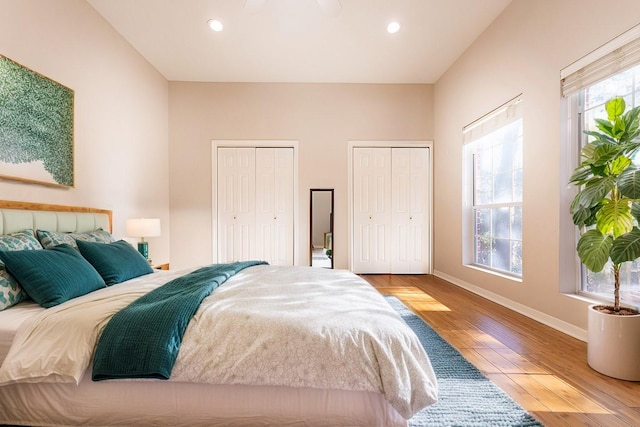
18	216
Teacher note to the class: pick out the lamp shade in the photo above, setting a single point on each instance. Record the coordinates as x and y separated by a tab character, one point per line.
142	227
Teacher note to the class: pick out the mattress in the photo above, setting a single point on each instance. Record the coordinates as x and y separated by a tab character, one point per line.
10	321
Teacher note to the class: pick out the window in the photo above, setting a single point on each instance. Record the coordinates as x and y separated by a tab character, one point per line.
590	106
613	70
493	167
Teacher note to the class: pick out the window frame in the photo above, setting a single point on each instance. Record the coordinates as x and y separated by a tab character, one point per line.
578	104
610	59
492	122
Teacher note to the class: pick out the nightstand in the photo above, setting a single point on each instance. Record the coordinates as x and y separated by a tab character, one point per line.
164	266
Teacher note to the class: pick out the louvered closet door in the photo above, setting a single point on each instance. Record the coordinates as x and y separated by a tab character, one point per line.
409	235
236	204
371	210
274	205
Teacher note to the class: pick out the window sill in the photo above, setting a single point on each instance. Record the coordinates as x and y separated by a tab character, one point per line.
583	298
595	300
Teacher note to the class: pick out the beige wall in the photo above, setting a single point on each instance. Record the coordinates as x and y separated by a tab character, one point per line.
523	51
137	137
321	117
120	116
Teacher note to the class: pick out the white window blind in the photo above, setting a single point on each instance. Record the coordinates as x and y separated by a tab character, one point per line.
498	118
619	54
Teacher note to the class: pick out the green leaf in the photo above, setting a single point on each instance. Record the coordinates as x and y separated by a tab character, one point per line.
580	175
606	128
593	250
619	164
619	129
627	247
605	153
599	171
587	153
600	138
632	123
579	213
584	217
629	183
635	211
615	108
615	218
594	191
629	149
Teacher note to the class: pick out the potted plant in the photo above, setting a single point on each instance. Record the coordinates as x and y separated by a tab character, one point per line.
607	211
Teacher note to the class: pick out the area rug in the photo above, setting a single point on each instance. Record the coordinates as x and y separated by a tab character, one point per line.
466	398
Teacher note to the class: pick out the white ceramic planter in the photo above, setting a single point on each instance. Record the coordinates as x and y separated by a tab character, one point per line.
613	346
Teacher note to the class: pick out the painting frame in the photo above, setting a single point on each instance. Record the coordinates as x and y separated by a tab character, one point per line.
36	127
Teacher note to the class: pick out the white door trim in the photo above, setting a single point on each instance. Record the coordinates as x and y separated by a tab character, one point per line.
215	143
392	144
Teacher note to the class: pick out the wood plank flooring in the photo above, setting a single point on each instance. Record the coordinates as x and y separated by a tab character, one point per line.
544	370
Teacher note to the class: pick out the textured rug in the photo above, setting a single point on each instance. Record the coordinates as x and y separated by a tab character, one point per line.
466	397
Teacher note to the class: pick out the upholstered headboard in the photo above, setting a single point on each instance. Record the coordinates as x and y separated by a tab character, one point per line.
18	216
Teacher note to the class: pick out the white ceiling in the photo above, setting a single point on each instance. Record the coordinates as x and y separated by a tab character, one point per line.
299	40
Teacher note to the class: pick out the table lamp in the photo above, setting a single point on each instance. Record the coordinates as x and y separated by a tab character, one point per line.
143	227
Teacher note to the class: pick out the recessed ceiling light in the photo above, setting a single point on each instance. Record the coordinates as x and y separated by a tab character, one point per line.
215	25
393	27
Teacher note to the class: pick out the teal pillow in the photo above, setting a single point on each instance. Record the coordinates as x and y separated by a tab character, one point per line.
10	291
53	276
116	262
50	239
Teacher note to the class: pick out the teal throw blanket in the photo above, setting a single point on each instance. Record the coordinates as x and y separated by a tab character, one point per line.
143	339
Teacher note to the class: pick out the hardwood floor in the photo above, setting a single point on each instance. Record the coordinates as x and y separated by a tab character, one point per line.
544	370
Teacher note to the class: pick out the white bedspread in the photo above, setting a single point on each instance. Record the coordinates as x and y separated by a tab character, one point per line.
268	325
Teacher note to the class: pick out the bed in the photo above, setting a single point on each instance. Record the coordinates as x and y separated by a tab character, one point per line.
270	345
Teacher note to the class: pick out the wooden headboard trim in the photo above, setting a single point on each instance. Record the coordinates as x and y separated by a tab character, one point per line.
8	204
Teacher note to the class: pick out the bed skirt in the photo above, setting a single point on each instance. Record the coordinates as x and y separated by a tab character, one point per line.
166	403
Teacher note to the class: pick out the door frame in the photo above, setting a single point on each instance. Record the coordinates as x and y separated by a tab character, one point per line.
229	143
350	202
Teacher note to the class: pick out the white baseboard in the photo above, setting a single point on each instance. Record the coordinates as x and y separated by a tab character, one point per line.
539	316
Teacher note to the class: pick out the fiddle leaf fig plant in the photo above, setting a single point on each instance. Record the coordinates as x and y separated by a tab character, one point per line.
607	206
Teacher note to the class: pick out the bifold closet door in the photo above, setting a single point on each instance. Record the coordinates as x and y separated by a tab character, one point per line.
409	192
236	204
371	210
255	204
274	205
390	210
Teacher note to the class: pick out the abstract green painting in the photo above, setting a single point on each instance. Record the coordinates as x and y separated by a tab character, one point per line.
36	127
